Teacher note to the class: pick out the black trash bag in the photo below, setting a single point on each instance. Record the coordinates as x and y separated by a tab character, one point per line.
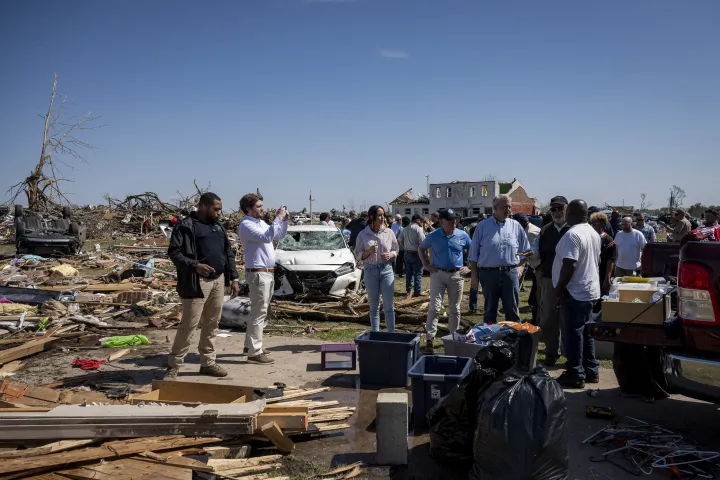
452	419
520	430
499	355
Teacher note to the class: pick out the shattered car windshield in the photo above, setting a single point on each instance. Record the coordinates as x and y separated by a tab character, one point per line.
321	240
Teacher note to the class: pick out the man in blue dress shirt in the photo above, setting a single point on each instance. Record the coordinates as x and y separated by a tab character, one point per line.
497	245
447	272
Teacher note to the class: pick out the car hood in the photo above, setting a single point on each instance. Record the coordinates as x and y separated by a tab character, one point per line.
305	258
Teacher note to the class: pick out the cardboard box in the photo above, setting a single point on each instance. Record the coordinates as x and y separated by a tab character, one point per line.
630	294
638	313
174	392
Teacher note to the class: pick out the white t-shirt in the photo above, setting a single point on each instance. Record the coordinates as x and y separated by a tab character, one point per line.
629	249
582	244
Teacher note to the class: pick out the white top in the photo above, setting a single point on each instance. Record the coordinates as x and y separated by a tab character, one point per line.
582	244
256	237
629	249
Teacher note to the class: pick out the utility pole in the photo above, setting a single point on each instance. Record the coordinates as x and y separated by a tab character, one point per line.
311	200
427	185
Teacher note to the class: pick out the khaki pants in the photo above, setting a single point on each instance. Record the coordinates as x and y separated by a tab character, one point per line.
206	311
549	318
262	288
440	282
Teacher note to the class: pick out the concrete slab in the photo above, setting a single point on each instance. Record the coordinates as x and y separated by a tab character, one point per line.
392	429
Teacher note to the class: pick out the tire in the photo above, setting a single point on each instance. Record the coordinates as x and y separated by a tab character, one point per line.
639	370
19	227
74	228
18	211
66	212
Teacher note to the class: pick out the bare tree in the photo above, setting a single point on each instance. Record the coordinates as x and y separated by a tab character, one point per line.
42	186
351	204
677	196
644	204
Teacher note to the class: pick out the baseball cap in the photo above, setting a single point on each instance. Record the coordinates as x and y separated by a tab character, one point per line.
520	217
593	209
448	214
559	200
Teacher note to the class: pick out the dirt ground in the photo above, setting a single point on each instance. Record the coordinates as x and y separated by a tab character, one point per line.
298	363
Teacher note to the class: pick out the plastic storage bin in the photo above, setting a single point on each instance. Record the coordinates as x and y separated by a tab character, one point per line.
453	348
385	358
433	376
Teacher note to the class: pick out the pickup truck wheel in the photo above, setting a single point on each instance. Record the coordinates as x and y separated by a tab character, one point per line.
639	370
18	211
66	212
19	227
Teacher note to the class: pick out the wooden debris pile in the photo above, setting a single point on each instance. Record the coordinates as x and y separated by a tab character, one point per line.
85	441
352	308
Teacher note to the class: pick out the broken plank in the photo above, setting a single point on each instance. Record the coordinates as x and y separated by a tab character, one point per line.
239	472
119	354
295	418
222	465
277	437
60	446
127	469
232	452
343	469
179	462
311	404
303	393
104	451
25	350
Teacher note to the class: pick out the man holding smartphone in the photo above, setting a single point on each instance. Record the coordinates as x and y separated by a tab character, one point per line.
257	239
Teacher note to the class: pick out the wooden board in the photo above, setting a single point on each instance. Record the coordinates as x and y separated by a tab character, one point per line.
295	418
127	469
218	466
175	392
60	446
303	393
276	436
25	350
106	450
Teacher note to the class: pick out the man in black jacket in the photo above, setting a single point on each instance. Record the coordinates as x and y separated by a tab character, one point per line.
549	319
356	226
205	262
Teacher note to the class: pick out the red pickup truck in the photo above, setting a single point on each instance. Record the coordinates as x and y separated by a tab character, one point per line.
682	355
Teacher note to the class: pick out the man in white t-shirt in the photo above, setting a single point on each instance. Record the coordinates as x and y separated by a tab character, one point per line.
630	244
576	279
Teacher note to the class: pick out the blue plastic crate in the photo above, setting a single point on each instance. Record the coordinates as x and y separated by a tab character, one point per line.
433	376
385	358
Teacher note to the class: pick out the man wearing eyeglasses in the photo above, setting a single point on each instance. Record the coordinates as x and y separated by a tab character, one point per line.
498	244
548	240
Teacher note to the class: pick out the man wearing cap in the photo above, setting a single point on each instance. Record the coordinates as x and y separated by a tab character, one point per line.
682	226
447	272
548	240
410	239
497	245
527	267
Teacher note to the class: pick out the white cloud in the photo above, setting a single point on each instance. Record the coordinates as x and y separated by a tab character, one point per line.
395	54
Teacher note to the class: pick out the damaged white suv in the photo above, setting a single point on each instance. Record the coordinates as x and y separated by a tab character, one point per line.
315	259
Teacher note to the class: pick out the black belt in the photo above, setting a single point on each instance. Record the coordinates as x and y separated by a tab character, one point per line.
449	270
506	268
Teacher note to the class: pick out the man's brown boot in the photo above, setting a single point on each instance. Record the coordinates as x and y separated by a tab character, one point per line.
214	370
261	359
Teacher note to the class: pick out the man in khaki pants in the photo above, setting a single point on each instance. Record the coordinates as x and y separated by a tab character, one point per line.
205	262
257	239
447	272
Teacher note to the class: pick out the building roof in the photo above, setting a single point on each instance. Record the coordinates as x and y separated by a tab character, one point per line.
622	209
407	198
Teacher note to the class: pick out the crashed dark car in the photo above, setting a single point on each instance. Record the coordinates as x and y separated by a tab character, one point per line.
47	234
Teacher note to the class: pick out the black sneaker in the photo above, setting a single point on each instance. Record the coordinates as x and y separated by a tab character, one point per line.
550	361
592	378
568	381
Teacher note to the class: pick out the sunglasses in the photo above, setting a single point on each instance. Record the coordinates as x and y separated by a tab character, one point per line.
557	209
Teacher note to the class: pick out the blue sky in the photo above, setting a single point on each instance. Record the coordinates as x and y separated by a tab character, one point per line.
359	100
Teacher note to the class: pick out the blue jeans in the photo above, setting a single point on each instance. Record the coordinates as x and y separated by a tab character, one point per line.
413	273
575	320
500	285
380	279
472	302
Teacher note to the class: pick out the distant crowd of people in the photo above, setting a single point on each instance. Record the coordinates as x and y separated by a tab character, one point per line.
570	260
